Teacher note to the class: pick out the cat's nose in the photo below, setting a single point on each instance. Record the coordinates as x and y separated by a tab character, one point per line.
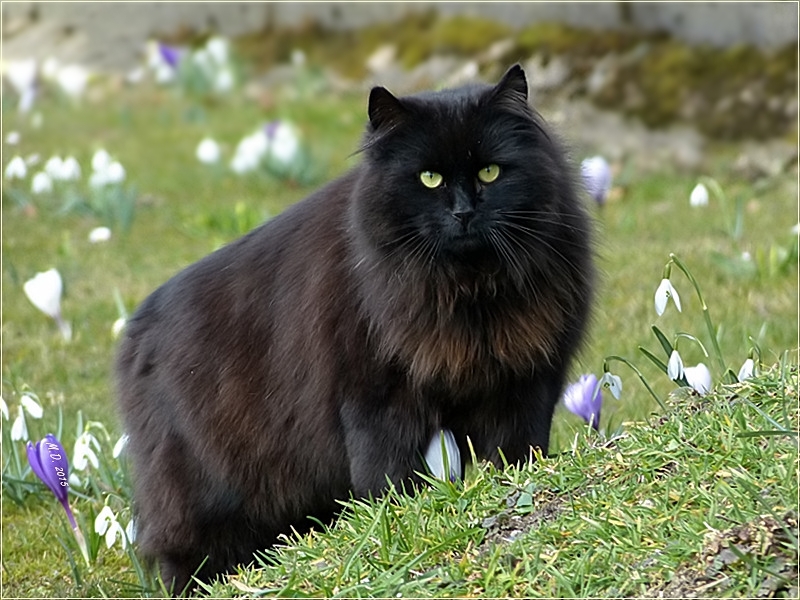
463	216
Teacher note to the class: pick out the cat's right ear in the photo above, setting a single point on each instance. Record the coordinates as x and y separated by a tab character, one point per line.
385	111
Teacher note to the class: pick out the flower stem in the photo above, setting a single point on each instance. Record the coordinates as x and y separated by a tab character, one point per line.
77	531
706	315
641	377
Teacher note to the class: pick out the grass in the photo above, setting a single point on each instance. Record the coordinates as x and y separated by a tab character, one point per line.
627	514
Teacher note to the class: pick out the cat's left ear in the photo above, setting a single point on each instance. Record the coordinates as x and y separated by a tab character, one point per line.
513	85
385	111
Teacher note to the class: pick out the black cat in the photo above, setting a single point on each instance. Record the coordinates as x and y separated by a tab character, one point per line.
444	282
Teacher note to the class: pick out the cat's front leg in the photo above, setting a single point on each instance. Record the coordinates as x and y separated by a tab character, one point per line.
383	439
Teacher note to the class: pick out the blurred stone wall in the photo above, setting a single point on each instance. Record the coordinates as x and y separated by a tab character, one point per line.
111	35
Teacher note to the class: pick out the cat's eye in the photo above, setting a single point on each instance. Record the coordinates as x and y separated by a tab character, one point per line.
489	173
430	179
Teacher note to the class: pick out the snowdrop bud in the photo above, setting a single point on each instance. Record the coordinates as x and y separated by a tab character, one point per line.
16	169
41	183
208	151
33	408
675	366
699	196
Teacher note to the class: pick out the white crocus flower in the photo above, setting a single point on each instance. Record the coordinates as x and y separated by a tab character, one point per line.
41	183
443	457
44	292
747	370
99	234
208	151
33	408
84	454
19	428
105	523
699	196
16	169
675	366
612	383
699	378
72	80
664	292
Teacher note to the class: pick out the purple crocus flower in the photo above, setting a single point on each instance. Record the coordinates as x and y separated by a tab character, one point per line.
585	399
50	463
170	54
597	177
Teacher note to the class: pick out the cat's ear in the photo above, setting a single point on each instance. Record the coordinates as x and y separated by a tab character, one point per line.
513	85
385	111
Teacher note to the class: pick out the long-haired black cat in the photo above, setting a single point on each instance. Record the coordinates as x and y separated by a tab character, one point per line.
445	282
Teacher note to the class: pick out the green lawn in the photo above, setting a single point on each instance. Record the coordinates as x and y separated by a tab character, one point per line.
615	516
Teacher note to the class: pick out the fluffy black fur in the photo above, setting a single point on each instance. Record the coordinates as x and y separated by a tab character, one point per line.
318	354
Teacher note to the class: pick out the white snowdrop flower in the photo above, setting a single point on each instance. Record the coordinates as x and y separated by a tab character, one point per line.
32	407
217	48
99	234
223	80
747	370
44	292
19	428
70	169
131	530
699	196
613	383
13	138
98	179
120	446
699	378
106	524
72	80
443	457
41	183
16	169
22	76
208	151
675	366
115	173
53	167
249	152
117	327
100	160
75	481
4	408
664	292
84	454
283	141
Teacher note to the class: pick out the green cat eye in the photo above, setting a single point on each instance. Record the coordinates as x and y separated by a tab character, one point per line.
489	173
430	179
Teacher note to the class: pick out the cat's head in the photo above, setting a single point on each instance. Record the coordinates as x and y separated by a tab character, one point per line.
467	178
